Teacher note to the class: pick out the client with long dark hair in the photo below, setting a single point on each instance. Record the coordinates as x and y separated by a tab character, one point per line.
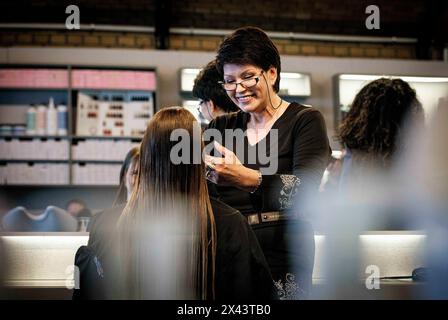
223	260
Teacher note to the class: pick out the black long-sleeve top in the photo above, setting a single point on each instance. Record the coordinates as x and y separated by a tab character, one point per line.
303	154
242	272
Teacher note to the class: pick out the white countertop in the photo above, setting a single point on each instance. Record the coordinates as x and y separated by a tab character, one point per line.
45	259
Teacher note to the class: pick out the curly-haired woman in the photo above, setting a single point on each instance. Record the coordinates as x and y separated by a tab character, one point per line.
371	131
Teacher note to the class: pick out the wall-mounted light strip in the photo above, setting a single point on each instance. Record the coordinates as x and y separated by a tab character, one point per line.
191	71
298	36
291	75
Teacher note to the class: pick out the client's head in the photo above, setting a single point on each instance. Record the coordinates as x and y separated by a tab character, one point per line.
159	171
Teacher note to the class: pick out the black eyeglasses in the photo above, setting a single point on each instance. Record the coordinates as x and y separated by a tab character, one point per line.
246	83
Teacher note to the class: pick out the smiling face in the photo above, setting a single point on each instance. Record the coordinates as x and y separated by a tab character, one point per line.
252	99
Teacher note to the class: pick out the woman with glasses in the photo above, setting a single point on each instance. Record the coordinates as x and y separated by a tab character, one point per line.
250	66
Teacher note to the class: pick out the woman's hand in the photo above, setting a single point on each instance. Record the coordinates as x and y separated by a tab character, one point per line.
228	171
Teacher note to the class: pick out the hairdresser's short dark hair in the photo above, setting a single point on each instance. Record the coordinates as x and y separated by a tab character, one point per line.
206	87
250	45
377	116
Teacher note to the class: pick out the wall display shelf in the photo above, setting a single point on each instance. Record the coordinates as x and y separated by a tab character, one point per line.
29	137
429	91
31	187
107	113
34	78
75	138
95	173
31	161
84	161
35	173
15	148
101	149
65	125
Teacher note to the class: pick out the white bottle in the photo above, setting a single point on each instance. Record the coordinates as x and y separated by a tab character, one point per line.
41	119
52	119
62	120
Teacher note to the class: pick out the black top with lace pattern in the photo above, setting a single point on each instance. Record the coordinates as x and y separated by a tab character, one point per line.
303	153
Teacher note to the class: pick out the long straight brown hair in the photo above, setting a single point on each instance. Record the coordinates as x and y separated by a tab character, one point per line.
163	187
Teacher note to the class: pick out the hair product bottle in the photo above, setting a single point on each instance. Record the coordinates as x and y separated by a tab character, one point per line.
31	120
62	120
51	118
41	120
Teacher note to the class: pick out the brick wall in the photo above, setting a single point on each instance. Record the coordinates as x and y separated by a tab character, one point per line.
198	43
77	39
401	18
398	17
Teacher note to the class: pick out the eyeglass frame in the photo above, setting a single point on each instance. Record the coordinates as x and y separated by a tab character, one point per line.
257	79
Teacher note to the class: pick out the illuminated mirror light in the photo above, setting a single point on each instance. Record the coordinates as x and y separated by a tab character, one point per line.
295	84
290	75
428	89
191	71
187	78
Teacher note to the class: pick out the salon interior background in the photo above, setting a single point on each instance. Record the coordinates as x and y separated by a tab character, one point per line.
323	38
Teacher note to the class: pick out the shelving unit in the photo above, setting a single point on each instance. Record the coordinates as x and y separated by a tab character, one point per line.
25	85
44	137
